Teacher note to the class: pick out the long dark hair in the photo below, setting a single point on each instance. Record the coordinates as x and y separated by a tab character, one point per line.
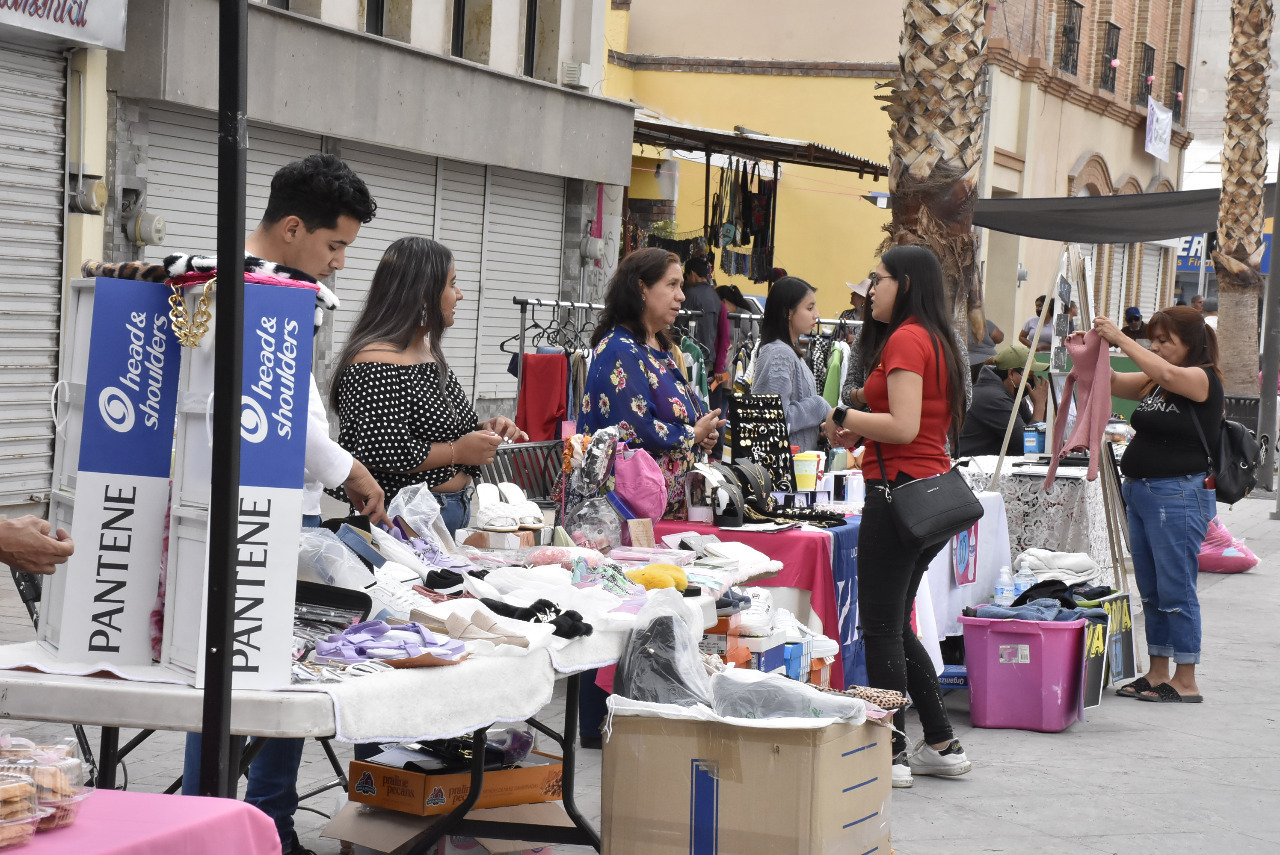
783	298
922	296
1189	326
624	298
403	297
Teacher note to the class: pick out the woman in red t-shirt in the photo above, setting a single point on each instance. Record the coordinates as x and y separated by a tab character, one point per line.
916	394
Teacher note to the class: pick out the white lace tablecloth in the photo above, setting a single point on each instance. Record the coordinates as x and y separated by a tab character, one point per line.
1068	518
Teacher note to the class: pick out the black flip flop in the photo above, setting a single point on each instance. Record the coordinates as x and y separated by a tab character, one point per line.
1142	684
1166	694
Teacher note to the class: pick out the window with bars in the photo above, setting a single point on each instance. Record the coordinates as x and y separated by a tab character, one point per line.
1146	76
375	14
1176	98
279	4
1069	37
1110	59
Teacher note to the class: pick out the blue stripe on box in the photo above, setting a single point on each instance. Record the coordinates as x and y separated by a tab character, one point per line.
704	809
872	849
860	821
863	748
863	784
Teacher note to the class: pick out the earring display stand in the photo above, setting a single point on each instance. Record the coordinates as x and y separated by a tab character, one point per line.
760	434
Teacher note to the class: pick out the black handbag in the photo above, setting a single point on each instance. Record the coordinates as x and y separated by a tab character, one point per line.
928	511
1234	469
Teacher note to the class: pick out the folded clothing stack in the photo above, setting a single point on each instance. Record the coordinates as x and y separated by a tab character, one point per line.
374	639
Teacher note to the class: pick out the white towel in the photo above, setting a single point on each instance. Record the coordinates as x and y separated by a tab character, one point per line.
1069	567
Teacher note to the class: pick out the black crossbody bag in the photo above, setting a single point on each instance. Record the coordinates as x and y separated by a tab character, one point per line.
928	511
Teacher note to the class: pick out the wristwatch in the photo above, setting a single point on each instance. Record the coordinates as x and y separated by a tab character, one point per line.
839	414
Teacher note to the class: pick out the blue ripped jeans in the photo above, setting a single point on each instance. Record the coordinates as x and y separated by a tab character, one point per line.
1168	518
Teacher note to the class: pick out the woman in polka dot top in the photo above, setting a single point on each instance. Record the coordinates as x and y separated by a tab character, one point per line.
401	411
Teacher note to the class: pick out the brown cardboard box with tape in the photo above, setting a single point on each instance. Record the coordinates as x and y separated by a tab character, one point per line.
677	787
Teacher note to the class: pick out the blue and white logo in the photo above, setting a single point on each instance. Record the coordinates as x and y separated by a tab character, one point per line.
116	409
253	421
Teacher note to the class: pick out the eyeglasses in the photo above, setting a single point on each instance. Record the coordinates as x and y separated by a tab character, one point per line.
875	278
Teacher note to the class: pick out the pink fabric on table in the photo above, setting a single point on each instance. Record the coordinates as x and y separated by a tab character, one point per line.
1091	378
112	822
806	564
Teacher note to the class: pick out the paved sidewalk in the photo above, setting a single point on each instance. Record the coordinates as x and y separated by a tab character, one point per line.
1133	778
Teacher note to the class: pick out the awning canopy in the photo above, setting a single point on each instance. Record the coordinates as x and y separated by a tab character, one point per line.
1134	218
663	134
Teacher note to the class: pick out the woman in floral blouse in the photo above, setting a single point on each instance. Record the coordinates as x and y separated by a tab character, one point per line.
634	382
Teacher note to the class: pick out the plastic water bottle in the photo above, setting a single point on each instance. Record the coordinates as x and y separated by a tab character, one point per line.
1024	580
1004	588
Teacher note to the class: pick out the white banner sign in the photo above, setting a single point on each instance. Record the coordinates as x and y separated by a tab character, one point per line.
1159	129
92	23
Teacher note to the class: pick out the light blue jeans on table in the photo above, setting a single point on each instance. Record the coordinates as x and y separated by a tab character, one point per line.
1168	519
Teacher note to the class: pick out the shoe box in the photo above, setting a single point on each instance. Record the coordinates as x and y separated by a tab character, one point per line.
540	779
768	653
798	656
675	786
820	673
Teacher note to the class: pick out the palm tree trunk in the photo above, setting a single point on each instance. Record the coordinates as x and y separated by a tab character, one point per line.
1238	258
937	110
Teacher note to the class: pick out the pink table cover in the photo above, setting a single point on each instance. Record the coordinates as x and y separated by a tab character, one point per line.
806	564
112	822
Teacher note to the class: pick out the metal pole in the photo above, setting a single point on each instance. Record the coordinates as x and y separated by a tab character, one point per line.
773	219
706	199
530	35
216	778
524	311
1270	363
1204	261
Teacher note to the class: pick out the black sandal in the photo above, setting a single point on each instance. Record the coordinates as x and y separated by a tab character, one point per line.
1132	690
1166	694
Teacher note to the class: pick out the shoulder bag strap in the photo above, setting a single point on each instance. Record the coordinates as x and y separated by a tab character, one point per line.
1195	420
888	491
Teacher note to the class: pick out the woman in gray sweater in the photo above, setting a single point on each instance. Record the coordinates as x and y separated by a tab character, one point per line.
790	312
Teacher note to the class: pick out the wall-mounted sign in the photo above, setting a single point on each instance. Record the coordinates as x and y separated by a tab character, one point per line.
1190	249
92	24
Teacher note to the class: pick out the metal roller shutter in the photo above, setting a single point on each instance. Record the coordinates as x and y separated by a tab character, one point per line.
404	186
32	202
182	177
1149	279
523	244
460	197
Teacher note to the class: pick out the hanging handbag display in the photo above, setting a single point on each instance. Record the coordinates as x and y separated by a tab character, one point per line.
638	480
928	511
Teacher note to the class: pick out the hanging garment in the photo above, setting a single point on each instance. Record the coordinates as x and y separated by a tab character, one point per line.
541	405
819	351
835	370
1090	377
695	365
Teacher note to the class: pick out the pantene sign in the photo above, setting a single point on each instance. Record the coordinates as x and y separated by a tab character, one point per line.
95	23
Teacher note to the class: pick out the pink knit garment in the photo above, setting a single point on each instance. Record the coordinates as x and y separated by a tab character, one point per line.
1090	377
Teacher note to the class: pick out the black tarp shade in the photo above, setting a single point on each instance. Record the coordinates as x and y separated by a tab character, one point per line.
1134	218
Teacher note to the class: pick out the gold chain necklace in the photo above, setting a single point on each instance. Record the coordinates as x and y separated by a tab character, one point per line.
188	331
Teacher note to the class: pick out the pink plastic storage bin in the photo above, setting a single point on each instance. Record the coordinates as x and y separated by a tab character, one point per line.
1024	674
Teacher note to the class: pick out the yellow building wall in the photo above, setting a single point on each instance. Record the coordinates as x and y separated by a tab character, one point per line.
826	233
619	82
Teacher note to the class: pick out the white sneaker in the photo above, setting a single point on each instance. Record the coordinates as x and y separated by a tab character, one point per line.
391	598
902	771
947	763
791	625
757	620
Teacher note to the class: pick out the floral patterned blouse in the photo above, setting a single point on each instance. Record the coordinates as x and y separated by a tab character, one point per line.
640	389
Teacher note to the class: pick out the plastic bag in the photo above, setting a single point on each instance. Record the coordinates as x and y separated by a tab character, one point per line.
417	506
595	525
661	663
738	693
325	559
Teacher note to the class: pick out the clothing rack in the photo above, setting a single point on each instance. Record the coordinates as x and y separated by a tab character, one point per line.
537	302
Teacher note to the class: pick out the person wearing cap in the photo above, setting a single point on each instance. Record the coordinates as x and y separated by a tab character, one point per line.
993	395
1134	327
857	299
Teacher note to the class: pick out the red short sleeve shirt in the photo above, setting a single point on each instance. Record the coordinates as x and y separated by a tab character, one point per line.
910	348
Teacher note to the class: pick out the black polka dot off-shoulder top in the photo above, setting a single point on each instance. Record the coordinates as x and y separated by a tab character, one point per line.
390	415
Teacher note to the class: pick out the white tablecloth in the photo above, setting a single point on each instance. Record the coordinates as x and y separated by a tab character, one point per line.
979	565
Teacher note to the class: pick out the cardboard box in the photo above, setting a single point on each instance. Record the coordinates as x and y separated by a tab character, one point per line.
798	657
671	787
768	654
429	795
388	831
820	673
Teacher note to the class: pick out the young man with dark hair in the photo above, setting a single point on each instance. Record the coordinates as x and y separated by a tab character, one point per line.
314	213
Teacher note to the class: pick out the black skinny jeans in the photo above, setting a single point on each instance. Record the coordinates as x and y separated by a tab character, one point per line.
889	572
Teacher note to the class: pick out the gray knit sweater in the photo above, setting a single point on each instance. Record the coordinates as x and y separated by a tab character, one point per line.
779	371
